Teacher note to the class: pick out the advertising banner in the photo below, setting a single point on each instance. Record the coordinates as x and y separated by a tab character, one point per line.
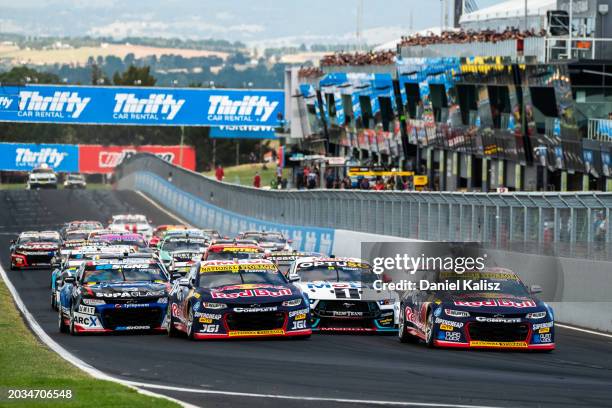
27	156
242	132
103	159
141	106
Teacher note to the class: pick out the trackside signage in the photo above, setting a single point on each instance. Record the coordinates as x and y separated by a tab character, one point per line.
96	159
25	157
141	106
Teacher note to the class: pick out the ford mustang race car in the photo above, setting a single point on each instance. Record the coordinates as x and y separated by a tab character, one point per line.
136	223
237	299
80	225
120	238
179	252
227	252
108	295
34	249
341	295
484	309
274	241
75	238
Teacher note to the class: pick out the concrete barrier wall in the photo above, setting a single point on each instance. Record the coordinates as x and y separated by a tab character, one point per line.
578	289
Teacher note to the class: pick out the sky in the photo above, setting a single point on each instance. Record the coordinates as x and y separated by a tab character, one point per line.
273	22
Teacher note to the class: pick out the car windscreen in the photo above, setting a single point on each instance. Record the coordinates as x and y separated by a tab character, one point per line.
273	239
76	236
123	273
183	245
241	277
127	240
25	240
335	272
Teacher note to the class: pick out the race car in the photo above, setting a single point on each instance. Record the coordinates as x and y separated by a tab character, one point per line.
136	223
179	252
228	252
160	231
34	249
341	295
42	177
212	233
274	241
490	309
75	238
120	238
114	295
283	260
237	299
70	260
81	225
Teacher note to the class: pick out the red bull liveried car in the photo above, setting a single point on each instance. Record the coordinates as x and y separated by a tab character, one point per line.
237	299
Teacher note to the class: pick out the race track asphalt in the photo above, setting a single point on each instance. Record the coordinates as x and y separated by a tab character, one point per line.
356	367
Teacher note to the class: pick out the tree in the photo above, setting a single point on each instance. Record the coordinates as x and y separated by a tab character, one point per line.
20	75
135	76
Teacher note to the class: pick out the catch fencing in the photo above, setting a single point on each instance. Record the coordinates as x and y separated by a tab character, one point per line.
565	224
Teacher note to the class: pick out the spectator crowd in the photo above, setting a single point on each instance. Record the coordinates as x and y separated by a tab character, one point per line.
464	37
359	58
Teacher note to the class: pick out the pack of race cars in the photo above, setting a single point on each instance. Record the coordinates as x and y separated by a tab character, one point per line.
131	277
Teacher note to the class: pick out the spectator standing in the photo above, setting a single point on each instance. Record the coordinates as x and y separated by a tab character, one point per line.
219	173
257	180
364	184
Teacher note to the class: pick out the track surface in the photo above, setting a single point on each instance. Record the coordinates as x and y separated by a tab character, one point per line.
578	373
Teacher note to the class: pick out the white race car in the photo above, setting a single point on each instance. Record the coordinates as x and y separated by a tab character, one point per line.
136	223
341	295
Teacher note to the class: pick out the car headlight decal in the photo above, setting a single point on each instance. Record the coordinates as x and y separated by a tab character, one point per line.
212	305
292	302
536	315
456	313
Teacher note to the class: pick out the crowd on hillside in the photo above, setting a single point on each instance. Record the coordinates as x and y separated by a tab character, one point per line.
310	72
462	37
359	58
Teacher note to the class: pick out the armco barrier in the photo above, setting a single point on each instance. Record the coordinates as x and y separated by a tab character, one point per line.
568	224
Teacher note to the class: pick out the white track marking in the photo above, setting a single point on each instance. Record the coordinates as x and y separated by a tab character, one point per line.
298	398
65	354
593	332
159	207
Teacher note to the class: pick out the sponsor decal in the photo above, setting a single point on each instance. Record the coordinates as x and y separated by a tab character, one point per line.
255	309
133	328
256	333
497	302
87	321
126	294
409	314
545	338
346	313
544	330
298	325
298	312
498	319
251	293
512	344
448	323
452	336
209	328
28	156
156	106
446	327
334	285
251	108
206	315
87	309
58	105
104	159
332	264
205	320
300	317
538	326
7	101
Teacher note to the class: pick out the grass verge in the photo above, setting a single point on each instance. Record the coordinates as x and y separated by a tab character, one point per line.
244	174
25	364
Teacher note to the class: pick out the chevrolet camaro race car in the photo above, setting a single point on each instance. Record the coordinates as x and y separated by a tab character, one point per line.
108	295
34	249
237	299
268	240
284	259
487	309
341	295
160	231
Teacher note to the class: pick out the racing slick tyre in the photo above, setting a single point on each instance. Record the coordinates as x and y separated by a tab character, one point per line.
190	324
73	331
60	323
429	329
172	331
402	332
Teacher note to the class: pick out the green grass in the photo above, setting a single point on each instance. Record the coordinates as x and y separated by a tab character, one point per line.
244	174
27	364
21	186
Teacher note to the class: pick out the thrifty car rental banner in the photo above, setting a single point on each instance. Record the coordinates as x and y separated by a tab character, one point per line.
140	106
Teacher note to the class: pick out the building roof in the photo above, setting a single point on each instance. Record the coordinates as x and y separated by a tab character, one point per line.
510	9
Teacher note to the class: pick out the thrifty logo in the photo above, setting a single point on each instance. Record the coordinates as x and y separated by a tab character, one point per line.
52	106
247	109
26	158
147	108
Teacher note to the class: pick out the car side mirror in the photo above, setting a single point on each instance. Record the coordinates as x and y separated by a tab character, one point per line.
535	289
69	279
293	278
